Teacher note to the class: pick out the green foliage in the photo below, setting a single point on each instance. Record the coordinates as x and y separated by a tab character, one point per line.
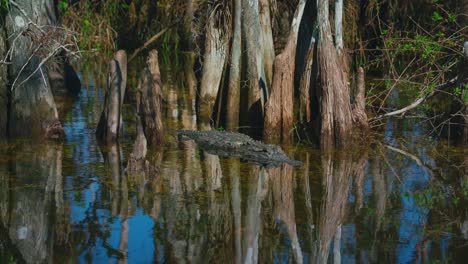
4	5
417	51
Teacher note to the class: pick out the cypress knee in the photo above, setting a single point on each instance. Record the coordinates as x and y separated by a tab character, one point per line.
110	123
149	99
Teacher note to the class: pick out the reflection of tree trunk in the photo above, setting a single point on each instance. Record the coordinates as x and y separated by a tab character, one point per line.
336	173
252	219
30	227
234	171
359	176
114	171
123	241
305	185
380	187
282	184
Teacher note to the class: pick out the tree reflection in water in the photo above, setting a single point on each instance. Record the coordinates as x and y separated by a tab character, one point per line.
74	202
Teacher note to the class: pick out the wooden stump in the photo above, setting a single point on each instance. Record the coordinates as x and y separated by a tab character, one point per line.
359	107
149	99
110	123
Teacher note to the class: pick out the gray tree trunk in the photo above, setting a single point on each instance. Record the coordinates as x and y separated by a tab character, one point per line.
233	98
268	49
216	49
110	123
256	79
33	109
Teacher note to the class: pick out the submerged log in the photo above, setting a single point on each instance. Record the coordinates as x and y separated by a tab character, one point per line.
231	144
110	123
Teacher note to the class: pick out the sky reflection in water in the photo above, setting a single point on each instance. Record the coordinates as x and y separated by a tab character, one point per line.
74	201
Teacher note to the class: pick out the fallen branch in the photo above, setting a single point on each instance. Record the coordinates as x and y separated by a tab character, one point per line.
149	42
417	102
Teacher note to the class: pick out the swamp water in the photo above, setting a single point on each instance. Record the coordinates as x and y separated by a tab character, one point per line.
399	199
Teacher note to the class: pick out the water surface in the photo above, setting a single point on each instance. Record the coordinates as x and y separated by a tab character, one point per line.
399	198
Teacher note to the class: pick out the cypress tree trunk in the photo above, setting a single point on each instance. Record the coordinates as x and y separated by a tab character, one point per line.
33	110
233	98
255	74
216	45
268	49
335	108
279	109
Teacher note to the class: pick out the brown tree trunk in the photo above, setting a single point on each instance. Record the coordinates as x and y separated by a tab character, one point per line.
279	109
359	107
304	87
335	108
33	111
216	45
335	180
233	97
282	179
150	97
110	123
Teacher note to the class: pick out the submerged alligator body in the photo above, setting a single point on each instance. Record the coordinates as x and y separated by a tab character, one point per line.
231	144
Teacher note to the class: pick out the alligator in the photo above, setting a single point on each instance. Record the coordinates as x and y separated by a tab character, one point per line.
232	144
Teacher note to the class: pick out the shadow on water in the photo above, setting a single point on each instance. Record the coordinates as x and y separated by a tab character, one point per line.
400	199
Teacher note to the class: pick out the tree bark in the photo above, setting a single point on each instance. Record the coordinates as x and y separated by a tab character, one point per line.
150	95
233	98
110	123
304	87
255	74
33	111
282	179
268	49
359	107
335	108
279	109
213	66
339	25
